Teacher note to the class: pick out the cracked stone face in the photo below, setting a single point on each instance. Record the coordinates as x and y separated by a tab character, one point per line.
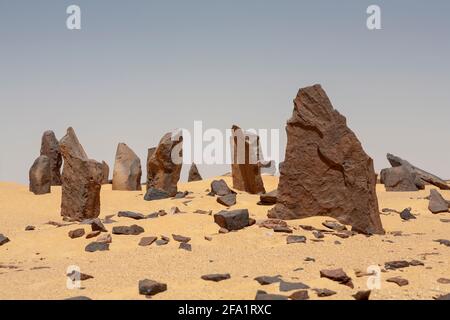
326	171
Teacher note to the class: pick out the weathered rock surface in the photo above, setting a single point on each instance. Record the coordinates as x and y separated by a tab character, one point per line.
399	281
97	246
266	280
127	170
228	200
50	148
125	230
232	220
323	292
326	171
194	174
156	194
40	176
262	295
291	286
105	173
150	287
299	295
337	275
295	239
245	167
147	241
220	188
163	171
407	215
362	295
268	199
422	174
77	233
150	152
437	203
400	179
81	180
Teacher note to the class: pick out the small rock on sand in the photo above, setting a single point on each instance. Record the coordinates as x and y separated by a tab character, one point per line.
150	287
216	277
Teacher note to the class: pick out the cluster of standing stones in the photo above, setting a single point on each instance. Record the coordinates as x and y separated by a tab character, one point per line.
326	172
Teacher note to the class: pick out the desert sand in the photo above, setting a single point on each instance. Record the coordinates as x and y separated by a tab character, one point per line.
33	264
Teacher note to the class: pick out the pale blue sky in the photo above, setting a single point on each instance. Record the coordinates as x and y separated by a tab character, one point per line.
140	68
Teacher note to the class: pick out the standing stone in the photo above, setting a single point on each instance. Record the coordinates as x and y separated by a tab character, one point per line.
105	173
245	167
422	174
150	152
163	171
326	171
194	175
41	176
50	148
437	203
127	170
81	180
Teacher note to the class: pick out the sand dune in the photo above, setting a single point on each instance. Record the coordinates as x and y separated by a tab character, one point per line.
33	264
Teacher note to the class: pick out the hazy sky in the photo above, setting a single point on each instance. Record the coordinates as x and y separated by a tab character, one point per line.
138	69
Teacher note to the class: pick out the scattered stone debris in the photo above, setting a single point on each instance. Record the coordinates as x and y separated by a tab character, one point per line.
295	239
3	239
147	241
299	295
262	295
334	225
77	233
399	281
443	281
290	286
362	295
93	234
407	215
156	194
97	246
104	238
199	211
30	228
227	200
131	215
393	265
150	287
125	230
216	277
282	229
232	220
337	275
185	246
180	238
97	225
76	275
266	280
322	293
443	242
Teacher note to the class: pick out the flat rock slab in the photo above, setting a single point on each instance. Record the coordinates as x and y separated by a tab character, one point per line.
131	215
156	194
232	220
76	275
399	264
97	246
362	295
399	281
290	286
295	239
147	241
337	275
3	239
268	199
262	295
323	292
180	238
185	246
334	225
266	280
443	242
150	287
217	277
300	295
228	200
93	234
125	230
97	225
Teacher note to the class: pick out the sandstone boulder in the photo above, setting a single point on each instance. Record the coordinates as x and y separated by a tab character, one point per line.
194	175
41	176
81	180
165	164
246	167
50	148
127	170
326	171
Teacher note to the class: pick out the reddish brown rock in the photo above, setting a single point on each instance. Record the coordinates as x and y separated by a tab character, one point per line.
40	176
194	175
127	170
50	148
150	152
245	167
105	173
81	181
326	171
163	171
